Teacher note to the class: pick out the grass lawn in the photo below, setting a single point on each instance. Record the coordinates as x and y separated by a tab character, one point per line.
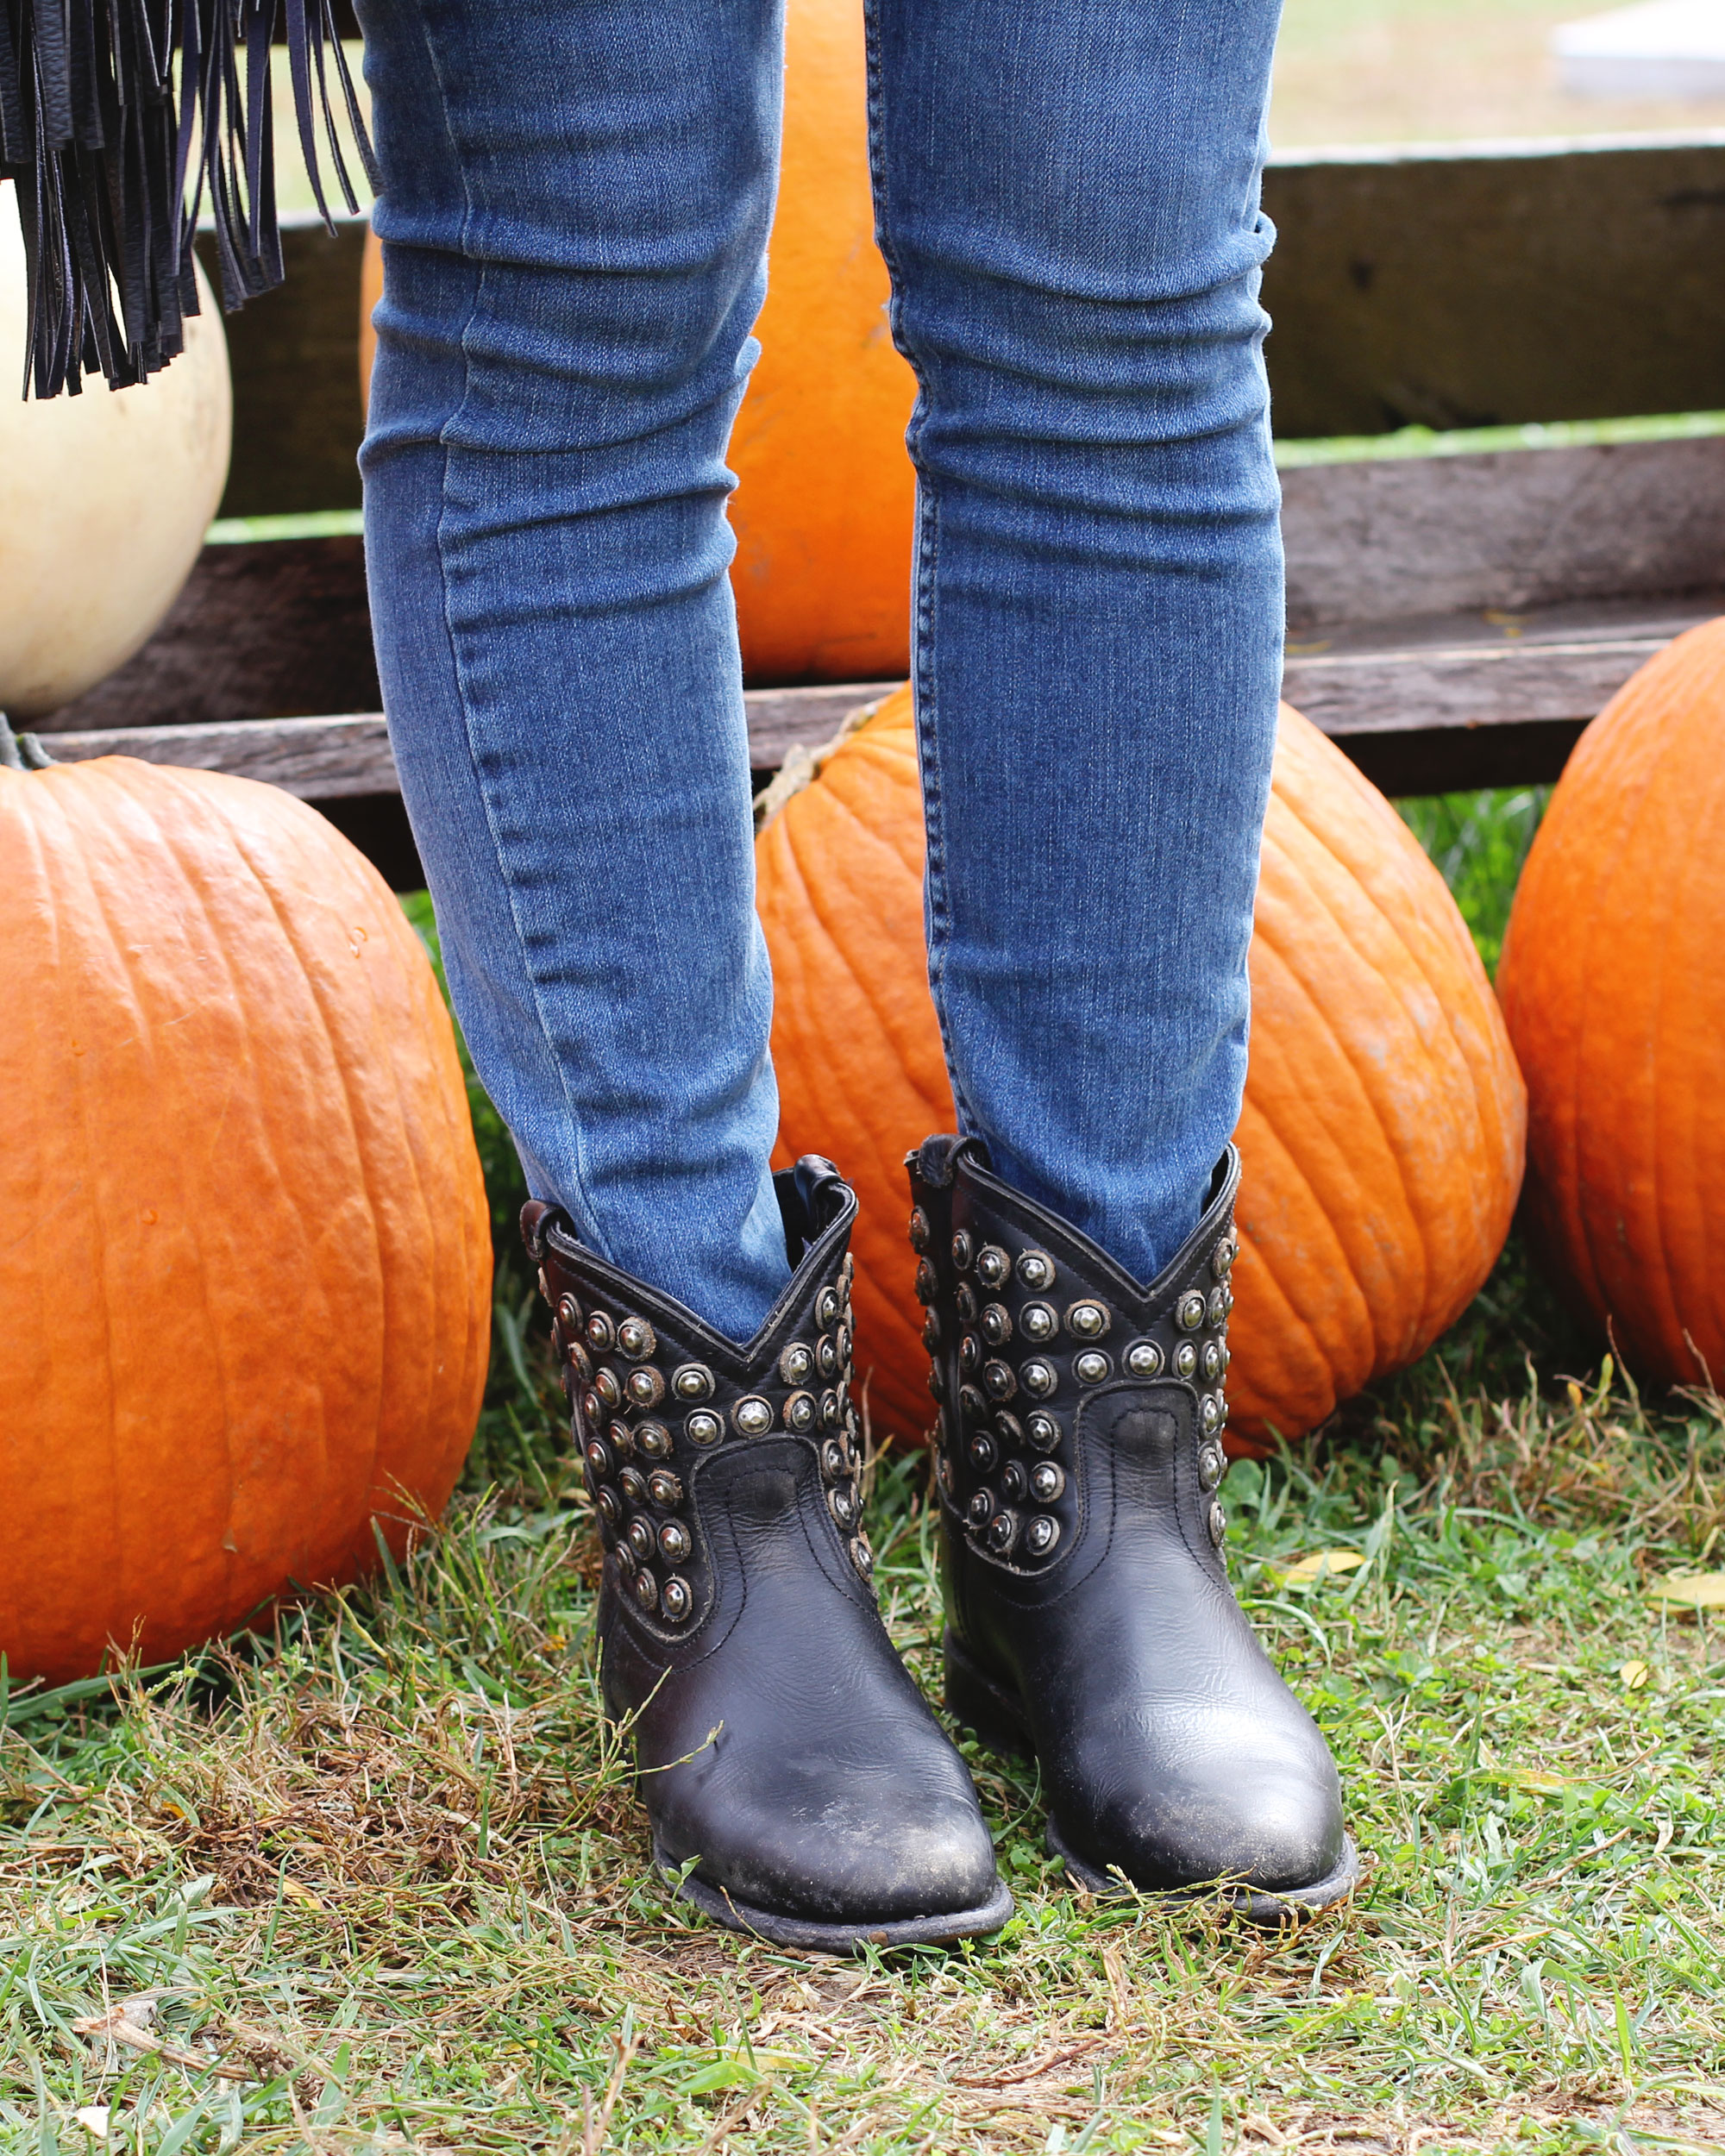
379	1884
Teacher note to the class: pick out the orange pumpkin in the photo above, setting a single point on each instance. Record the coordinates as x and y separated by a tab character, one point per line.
823	508
1614	987
245	1257
1384	1121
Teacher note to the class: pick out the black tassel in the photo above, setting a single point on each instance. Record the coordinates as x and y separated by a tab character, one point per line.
112	114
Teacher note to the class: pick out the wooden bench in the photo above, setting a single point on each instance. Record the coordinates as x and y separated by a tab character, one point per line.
1454	619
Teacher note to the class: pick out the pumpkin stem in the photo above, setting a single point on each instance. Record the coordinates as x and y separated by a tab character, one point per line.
802	766
21	752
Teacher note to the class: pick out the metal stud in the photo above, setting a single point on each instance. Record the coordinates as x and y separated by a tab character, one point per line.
847	1273
665	1487
653	1439
1217	1523
998	1381
919	1231
997	1325
646	1589
1087	1321
1041	1534
637	1338
942	1471
862	1557
674	1543
970	1353
693	1381
826	1356
592	1408
1189	1312
972	1405
826	1308
634	1485
1047	1481
645	1386
1211	1464
605	1385
703	1427
1035	1270
930	1331
1222	1258
1210	1414
1218	1307
1212	1361
610	1505
1185	1359
1013	1482
842	1342
842	1504
994	1267
568	1313
1037	1377
1003	1531
927	1282
1037	1321
579	1361
639	1537
982	1506
1143	1359
964	1302
801	1412
983	1452
675	1602
1010	1430
752	1416
622	1437
599	1331
961	1248
598	1458
1092	1366
1042	1430
796	1365
833	1459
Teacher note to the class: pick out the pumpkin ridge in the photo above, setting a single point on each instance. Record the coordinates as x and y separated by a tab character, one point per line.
378	1414
1322	1021
1418	967
1268	1271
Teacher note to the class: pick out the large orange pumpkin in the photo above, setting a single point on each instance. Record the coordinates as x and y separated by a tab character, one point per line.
823	508
1383	1120
1613	982
245	1259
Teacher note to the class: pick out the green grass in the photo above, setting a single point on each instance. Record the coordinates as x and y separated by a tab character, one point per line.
381	1879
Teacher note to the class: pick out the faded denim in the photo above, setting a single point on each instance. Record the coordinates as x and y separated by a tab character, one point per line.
576	202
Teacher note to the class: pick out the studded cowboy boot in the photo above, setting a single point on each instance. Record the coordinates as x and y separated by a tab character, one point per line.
780	1745
1089	1616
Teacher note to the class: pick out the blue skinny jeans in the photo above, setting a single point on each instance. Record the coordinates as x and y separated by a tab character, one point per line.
574	214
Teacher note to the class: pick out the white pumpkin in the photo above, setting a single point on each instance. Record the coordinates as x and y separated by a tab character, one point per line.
105	499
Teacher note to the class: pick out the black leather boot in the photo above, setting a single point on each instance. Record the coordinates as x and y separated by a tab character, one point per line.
1089	1616
780	1742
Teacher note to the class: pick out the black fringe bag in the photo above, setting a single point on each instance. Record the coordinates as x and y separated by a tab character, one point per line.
108	108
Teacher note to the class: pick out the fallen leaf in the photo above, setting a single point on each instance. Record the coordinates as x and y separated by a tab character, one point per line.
293	1891
1634	1675
1696	1590
93	2118
1322	1564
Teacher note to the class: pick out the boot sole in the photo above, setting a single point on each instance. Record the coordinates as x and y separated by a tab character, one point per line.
998	1720
807	1937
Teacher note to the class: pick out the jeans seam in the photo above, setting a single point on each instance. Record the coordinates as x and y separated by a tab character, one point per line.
937	901
572	1198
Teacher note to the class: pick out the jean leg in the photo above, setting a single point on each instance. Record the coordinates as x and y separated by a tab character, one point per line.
1068	201
574	211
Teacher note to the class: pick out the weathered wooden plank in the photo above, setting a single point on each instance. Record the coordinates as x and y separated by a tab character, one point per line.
1519	528
1483	284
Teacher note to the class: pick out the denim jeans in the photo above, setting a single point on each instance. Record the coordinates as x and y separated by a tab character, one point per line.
576	200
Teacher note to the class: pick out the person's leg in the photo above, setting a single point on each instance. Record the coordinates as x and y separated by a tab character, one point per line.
1068	199
575	212
1069	202
576	196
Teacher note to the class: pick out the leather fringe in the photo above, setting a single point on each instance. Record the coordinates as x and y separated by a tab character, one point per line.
115	117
